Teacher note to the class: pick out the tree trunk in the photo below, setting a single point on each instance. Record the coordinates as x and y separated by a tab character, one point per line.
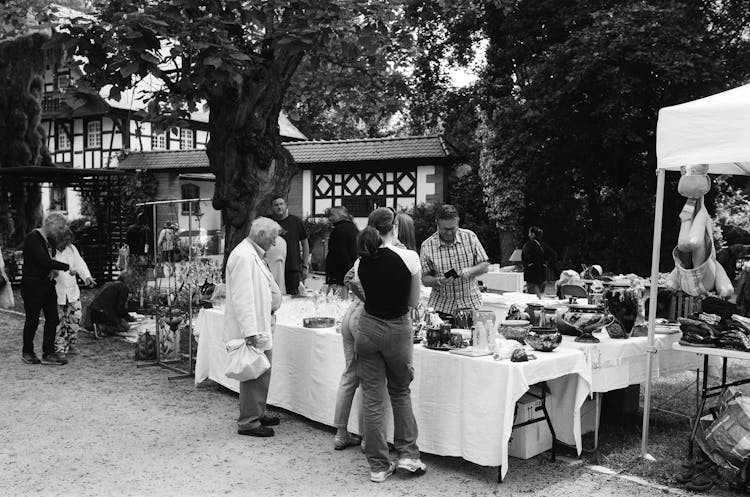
507	246
246	155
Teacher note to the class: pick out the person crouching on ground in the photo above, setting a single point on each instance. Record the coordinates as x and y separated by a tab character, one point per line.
252	299
108	310
38	289
68	294
390	277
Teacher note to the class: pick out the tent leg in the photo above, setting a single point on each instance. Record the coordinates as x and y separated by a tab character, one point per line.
654	290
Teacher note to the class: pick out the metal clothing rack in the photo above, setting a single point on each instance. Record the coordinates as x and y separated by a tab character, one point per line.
159	362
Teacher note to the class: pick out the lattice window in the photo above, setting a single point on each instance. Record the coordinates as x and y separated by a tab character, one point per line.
186	139
360	193
159	141
63	140
94	134
62	82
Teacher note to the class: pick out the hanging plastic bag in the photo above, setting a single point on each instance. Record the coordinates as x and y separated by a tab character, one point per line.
245	361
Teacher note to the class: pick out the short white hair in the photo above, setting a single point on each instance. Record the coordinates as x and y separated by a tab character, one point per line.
262	226
55	218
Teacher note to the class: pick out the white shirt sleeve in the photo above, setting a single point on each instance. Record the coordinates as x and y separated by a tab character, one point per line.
410	258
79	264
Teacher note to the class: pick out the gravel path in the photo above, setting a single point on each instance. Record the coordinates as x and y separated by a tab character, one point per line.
100	426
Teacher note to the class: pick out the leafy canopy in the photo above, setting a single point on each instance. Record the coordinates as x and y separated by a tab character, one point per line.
222	50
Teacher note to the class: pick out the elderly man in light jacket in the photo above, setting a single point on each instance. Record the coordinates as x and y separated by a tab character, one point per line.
252	298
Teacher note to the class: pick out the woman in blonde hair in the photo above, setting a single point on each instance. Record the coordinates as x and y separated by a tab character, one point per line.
68	293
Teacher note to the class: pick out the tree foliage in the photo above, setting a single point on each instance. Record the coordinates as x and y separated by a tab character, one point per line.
22	137
571	94
237	57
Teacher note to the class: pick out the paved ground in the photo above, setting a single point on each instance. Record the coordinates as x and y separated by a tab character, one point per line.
100	426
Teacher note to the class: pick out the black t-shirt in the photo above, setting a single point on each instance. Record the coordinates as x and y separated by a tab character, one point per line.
387	281
294	232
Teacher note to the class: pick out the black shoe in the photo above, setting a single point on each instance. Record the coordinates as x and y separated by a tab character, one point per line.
267	420
54	360
30	358
260	431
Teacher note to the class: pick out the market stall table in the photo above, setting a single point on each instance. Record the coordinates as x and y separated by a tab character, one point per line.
613	364
711	391
464	406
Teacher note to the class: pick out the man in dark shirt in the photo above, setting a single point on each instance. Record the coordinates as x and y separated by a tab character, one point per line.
342	245
38	289
295	236
108	310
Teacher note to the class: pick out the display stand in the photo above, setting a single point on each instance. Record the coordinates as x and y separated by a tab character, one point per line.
159	361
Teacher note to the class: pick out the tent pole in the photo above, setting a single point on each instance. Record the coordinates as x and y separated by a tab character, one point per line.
653	295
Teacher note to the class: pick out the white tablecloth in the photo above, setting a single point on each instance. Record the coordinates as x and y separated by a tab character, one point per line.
464	406
618	363
612	363
501	280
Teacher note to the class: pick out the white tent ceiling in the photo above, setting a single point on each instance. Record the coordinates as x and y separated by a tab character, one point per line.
714	130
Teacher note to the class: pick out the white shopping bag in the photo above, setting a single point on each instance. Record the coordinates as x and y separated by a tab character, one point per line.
245	361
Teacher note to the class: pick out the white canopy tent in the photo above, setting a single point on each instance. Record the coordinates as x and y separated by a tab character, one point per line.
716	131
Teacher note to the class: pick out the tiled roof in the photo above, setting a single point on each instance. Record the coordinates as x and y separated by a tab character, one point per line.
166	159
366	150
309	153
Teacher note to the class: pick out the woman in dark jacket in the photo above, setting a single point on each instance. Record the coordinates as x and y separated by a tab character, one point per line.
534	267
342	246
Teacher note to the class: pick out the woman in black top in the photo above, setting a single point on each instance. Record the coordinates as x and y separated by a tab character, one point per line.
38	289
534	268
390	277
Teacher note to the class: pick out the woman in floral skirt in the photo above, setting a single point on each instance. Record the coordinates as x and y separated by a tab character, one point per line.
68	294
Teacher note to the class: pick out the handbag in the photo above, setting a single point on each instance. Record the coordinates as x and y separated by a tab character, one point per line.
245	361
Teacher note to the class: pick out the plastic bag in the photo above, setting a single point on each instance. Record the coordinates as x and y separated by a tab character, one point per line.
727	439
245	361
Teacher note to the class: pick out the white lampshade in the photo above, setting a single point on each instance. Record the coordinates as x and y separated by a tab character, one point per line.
515	256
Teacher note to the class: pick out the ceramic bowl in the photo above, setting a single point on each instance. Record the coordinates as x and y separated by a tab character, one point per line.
318	322
543	339
514	329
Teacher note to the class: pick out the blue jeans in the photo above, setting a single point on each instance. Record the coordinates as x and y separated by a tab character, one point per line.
384	356
349	378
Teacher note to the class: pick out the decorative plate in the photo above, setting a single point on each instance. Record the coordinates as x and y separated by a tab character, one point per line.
439	347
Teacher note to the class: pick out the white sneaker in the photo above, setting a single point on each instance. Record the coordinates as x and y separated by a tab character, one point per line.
381	476
414	466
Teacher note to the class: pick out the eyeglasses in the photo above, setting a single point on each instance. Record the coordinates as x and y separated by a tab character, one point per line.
393	211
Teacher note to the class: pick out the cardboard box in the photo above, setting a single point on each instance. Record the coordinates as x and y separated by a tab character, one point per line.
531	440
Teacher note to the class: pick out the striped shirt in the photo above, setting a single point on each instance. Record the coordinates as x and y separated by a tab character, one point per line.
438	257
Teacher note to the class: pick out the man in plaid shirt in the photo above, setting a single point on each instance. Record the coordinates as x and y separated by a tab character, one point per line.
451	259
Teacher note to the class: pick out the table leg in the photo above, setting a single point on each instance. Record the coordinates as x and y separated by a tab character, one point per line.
699	412
549	422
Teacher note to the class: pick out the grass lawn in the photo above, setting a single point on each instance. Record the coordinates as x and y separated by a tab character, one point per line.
620	443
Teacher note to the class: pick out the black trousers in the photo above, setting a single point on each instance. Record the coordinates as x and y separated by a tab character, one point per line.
292	280
39	296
